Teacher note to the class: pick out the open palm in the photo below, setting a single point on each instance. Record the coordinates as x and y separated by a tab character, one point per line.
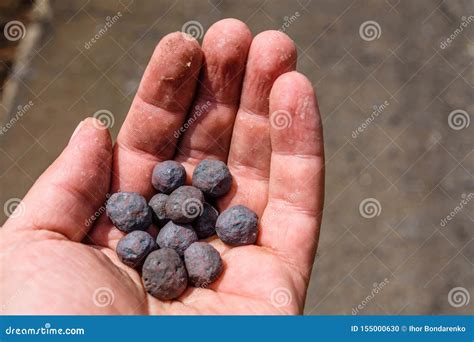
236	99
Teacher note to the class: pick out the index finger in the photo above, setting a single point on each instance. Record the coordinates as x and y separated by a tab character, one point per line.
158	110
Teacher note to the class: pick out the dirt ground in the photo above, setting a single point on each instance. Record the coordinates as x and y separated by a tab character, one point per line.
396	99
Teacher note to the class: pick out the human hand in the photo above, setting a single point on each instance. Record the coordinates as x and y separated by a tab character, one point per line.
246	107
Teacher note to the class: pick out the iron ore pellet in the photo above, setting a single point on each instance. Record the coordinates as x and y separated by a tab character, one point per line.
176	236
184	204
167	176
212	177
129	211
203	263
164	274
157	205
237	226
205	224
133	248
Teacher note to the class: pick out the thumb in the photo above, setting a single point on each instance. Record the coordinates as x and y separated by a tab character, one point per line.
72	189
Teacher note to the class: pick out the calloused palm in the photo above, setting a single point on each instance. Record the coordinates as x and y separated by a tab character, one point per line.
236	99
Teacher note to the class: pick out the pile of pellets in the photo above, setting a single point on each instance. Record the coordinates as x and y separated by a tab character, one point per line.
184	215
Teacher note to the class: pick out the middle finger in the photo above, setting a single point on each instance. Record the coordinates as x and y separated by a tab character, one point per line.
208	128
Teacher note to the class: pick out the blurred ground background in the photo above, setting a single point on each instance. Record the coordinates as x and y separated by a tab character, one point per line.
412	162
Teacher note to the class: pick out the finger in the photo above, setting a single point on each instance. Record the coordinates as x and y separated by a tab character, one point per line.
158	110
208	128
272	53
290	225
68	194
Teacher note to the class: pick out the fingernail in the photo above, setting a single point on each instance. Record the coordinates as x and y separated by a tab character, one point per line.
78	128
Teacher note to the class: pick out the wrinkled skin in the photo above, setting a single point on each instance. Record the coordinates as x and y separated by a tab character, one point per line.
48	249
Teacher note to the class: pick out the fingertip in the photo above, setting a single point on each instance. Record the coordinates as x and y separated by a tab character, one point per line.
294	116
225	47
272	36
173	68
289	87
228	40
271	54
181	41
229	28
274	50
94	132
